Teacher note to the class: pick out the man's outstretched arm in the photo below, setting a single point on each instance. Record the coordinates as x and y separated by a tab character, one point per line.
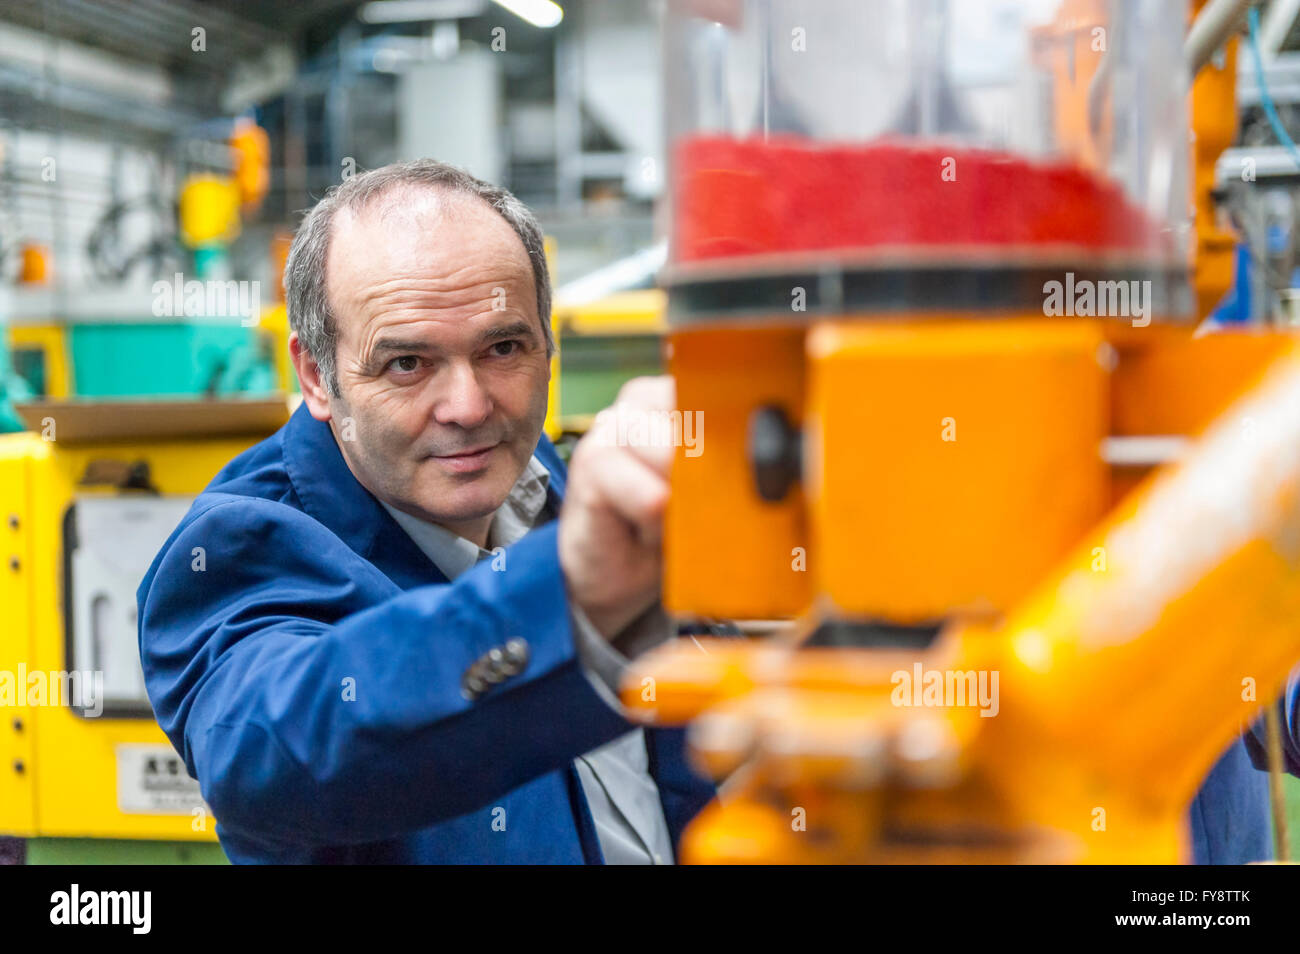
319	704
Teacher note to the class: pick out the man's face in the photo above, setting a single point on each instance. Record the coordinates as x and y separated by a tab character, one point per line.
441	359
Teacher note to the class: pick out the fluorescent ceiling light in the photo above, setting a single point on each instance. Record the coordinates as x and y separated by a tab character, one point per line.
412	11
541	13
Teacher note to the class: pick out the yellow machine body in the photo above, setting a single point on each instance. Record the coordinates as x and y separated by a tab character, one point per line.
60	769
49	342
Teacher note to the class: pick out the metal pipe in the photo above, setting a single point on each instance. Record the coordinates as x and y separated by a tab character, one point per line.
1214	24
1278	20
1202	578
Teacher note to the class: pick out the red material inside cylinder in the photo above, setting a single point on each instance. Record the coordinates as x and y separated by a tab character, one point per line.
785	194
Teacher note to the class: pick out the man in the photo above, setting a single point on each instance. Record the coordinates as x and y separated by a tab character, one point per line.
400	647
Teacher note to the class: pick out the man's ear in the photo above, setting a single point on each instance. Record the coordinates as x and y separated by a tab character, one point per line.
314	393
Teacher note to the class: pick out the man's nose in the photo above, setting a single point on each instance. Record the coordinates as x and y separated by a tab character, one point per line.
462	399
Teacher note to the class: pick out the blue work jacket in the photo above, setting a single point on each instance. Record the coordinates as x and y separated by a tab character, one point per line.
306	660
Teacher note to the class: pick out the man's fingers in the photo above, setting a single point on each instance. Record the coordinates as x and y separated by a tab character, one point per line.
657	456
611	529
632	489
656	393
644	421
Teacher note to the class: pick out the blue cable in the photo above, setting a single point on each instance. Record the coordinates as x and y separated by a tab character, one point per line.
1267	100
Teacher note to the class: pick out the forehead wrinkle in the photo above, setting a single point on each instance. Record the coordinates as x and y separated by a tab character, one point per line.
435	270
434	291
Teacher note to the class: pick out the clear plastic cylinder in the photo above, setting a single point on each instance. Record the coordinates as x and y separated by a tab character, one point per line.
1006	130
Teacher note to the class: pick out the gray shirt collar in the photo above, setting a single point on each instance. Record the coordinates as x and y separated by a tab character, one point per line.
453	554
623	797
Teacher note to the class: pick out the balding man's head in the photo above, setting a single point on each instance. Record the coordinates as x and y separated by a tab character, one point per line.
420	311
305	274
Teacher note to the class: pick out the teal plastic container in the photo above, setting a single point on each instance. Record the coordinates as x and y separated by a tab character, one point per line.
159	359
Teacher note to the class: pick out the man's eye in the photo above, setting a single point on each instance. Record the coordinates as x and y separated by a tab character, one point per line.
504	349
406	363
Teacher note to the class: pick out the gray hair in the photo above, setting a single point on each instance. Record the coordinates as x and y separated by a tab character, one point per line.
305	292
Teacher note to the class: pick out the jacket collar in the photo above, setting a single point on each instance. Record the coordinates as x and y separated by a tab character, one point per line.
332	496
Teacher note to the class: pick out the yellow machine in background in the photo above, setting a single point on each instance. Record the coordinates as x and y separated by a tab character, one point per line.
1038	566
91	490
134	400
89	495
606	341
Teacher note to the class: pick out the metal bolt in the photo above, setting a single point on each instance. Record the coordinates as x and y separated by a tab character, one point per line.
18	724
13	521
14	564
19	767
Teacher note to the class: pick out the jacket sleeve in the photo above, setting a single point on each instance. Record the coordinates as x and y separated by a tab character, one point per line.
318	703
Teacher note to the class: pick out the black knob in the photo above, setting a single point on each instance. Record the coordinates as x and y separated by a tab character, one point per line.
775	452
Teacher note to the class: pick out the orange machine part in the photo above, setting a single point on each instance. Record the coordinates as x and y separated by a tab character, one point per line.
252	148
727	552
1214	124
950	463
35	268
1168	381
1106	722
1068	49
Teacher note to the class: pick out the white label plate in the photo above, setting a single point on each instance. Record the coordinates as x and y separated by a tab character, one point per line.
152	780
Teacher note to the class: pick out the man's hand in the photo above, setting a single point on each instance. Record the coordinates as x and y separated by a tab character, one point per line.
611	524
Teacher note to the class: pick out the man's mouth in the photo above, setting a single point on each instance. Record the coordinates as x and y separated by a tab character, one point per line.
467	461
